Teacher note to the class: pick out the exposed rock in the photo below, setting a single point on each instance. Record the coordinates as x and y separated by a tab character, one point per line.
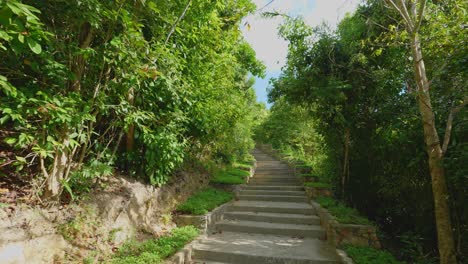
109	218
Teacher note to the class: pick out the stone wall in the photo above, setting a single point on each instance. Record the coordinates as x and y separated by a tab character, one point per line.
340	234
206	223
314	192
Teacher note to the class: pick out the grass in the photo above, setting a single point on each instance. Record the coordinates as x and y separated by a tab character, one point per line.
342	213
317	185
155	250
231	176
243	165
204	201
368	255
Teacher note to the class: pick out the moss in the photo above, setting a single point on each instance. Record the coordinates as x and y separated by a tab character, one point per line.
204	201
341	212
155	250
368	255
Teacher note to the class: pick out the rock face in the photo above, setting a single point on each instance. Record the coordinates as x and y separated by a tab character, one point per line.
29	237
111	216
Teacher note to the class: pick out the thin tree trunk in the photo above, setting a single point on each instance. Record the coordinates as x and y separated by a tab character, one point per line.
59	172
131	128
435	156
345	173
85	38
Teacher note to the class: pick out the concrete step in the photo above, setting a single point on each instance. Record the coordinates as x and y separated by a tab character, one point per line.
274	217
274	187
274	181
280	229
271	192
246	248
272	207
279	198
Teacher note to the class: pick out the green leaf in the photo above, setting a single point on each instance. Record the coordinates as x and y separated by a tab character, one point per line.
34	46
10	140
21	159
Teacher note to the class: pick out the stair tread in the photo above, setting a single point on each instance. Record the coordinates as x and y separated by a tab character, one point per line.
266	204
273	215
265	245
270	225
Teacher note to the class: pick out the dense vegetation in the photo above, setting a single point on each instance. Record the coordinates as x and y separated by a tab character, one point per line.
353	102
90	86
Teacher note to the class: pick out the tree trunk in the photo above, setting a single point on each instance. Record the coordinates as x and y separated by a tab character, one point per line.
345	173
435	156
79	63
58	174
131	128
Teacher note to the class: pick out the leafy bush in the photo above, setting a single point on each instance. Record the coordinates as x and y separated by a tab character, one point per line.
155	250
341	212
204	201
81	181
368	255
230	176
317	184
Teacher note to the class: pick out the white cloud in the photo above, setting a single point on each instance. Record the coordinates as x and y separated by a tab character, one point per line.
263	36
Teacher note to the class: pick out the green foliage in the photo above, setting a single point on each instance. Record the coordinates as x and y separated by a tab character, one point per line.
155	250
368	255
341	212
81	181
204	201
318	185
124	84
230	176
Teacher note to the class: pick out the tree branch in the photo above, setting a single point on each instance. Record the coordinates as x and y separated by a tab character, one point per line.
395	6
407	15
177	21
420	15
448	127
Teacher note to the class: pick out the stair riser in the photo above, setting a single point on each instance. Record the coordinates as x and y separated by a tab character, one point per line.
229	257
272	231
272	198
310	211
273	188
269	219
259	192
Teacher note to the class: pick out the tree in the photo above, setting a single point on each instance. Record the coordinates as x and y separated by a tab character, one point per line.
412	13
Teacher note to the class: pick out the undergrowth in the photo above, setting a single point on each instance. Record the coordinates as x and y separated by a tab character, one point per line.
341	212
231	176
368	255
317	184
155	250
204	201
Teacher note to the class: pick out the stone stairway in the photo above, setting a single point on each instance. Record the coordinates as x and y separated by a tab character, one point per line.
272	222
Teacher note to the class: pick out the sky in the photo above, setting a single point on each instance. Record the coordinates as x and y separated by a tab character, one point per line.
263	32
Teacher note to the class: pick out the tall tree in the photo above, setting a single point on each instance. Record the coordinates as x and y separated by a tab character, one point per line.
412	13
